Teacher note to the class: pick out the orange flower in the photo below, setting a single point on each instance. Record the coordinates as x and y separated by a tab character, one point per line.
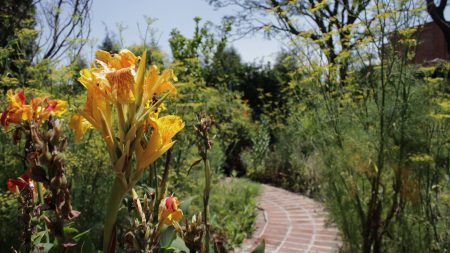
39	109
23	183
169	211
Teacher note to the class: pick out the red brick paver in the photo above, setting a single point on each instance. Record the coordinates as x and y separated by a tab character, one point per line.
289	222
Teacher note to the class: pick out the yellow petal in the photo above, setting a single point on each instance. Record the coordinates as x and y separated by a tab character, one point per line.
166	86
169	126
103	56
127	58
164	129
61	107
156	84
79	125
122	84
150	80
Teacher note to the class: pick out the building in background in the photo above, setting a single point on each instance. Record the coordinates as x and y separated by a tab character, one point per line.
431	45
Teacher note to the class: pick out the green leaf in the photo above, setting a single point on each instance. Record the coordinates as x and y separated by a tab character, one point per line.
81	235
70	230
186	203
46	247
260	248
180	245
166	250
168	234
38	236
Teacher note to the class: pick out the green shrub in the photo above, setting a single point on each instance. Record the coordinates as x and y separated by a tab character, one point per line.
232	206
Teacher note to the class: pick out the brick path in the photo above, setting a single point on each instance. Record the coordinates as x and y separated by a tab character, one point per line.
289	222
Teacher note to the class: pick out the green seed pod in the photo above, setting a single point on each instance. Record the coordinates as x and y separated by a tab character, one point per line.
63	181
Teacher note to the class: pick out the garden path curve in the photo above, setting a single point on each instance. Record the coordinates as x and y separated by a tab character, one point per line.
289	222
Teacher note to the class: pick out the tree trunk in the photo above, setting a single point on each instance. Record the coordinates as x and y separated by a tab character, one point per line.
437	14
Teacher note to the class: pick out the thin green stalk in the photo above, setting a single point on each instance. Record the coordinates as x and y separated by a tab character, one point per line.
154	184
165	176
206	202
118	192
41	200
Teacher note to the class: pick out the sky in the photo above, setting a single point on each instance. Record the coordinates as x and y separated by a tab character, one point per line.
170	14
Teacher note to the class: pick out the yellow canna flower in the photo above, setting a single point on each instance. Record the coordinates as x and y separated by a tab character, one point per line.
124	59
97	111
156	84
117	83
118	73
169	211
164	129
80	125
122	85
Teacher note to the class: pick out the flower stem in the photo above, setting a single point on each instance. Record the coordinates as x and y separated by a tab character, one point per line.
118	191
41	200
165	177
206	202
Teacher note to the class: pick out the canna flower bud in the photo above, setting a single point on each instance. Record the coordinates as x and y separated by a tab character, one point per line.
169	211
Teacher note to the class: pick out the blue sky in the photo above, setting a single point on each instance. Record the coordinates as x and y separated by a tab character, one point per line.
170	14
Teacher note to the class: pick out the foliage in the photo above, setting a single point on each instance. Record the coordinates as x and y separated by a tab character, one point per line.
341	116
17	42
372	145
232	207
194	58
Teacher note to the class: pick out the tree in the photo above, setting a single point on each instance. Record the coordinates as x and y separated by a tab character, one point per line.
109	44
332	23
436	12
17	41
66	26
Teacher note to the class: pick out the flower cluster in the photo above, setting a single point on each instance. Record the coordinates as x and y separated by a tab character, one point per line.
118	82
123	103
43	157
38	110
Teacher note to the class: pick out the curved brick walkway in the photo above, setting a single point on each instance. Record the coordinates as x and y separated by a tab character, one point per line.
289	222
